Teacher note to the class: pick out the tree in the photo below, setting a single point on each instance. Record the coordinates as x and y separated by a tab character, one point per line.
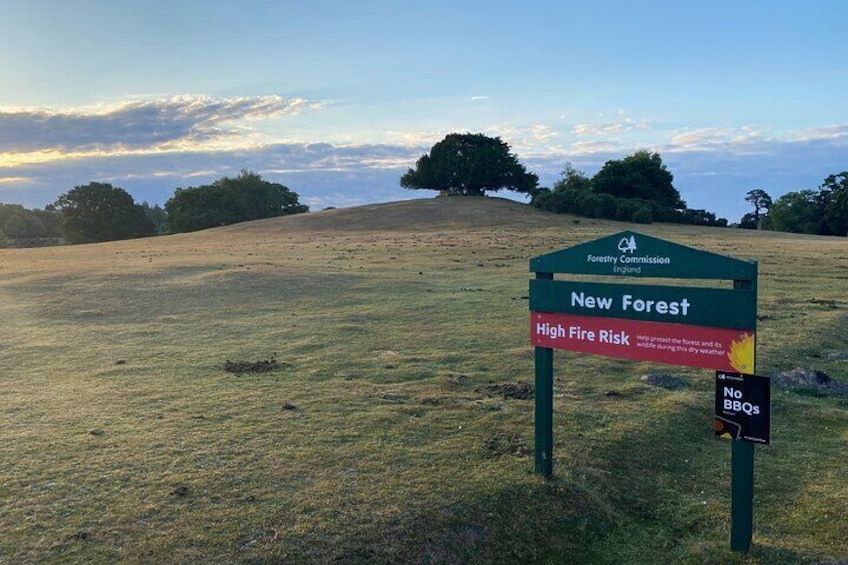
229	201
28	228
641	175
761	201
569	191
572	179
749	222
798	212
100	212
470	164
697	217
157	216
834	197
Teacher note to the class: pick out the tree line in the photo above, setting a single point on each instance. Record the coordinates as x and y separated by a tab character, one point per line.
99	211
821	211
638	188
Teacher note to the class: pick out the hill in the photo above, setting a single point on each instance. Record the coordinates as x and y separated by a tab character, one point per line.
469	212
350	386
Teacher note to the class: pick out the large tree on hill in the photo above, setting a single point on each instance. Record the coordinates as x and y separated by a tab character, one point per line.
229	201
100	212
470	164
641	176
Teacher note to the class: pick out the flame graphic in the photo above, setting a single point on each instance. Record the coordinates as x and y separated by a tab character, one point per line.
741	353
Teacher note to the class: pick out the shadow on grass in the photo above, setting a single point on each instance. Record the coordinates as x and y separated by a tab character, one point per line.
656	493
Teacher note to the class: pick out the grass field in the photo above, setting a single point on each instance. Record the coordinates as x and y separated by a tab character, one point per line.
381	435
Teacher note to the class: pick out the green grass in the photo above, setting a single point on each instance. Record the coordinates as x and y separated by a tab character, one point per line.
122	438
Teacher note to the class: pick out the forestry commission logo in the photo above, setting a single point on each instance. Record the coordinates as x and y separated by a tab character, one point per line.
627	244
628	260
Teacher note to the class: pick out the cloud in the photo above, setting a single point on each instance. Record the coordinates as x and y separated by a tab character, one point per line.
178	123
626	126
745	138
833	133
150	147
154	176
596	147
524	136
14	180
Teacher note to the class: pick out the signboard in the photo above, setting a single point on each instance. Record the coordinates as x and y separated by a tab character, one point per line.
676	344
743	407
714	307
632	254
693	326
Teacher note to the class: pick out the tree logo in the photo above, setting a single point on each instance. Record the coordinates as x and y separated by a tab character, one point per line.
627	244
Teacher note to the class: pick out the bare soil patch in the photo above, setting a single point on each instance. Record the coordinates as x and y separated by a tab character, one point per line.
516	391
505	443
800	379
260	366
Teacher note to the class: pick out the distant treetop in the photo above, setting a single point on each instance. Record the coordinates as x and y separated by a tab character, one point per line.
99	211
641	175
229	201
469	164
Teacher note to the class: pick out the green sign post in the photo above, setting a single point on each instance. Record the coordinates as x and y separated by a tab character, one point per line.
710	328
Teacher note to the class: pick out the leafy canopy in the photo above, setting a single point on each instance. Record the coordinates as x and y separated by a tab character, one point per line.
797	212
641	175
636	189
28	227
100	212
469	164
229	201
760	200
834	196
823	211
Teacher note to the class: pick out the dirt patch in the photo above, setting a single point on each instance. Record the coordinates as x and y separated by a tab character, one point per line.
800	379
180	490
241	367
517	391
505	443
667	382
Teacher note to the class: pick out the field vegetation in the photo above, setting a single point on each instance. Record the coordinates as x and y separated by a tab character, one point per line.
350	386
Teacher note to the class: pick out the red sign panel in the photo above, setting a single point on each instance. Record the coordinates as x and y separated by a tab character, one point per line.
675	344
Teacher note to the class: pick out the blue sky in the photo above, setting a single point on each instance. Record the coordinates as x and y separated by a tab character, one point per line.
337	99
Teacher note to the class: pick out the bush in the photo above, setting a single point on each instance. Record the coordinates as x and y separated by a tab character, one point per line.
229	201
596	205
642	215
626	208
557	201
100	212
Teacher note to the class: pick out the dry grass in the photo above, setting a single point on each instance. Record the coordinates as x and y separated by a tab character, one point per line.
376	438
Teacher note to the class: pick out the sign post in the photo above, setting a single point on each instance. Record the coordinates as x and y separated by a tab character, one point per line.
544	416
711	328
743	414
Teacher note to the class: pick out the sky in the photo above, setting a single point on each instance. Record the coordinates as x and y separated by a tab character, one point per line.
337	99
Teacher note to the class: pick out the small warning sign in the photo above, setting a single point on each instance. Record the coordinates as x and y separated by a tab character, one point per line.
743	407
